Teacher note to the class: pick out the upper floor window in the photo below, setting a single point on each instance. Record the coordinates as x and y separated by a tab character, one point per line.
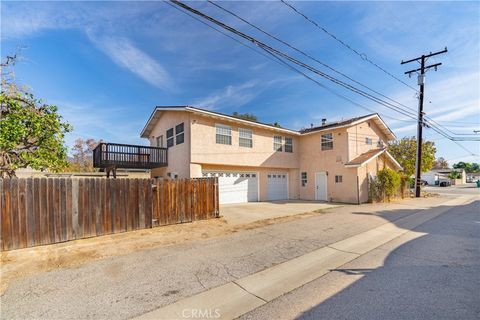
160	141
368	141
380	144
327	141
223	134
288	144
179	133
277	143
338	179
245	138
170	138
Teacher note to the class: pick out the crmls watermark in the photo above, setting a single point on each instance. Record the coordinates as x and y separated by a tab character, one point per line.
201	313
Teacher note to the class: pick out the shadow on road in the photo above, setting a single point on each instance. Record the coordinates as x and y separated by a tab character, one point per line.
435	276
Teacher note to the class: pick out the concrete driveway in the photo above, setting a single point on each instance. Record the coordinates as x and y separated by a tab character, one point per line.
254	211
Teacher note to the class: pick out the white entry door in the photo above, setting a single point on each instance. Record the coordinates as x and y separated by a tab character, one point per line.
236	187
277	186
321	186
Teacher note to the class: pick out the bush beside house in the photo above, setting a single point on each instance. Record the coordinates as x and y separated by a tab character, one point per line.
386	185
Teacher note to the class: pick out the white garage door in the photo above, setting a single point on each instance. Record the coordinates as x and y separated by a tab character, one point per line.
277	184
236	187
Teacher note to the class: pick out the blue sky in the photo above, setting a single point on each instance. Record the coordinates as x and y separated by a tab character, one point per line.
107	64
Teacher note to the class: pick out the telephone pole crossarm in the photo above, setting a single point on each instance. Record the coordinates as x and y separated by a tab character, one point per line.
425	56
426	68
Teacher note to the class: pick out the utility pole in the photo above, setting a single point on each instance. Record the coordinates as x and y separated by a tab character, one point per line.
421	82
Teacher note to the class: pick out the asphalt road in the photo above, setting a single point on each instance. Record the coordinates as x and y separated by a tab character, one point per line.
432	272
130	285
466	189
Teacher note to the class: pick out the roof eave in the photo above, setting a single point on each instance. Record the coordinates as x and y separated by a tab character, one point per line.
366	161
145	132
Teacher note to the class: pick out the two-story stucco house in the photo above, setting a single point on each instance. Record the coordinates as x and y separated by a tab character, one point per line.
260	162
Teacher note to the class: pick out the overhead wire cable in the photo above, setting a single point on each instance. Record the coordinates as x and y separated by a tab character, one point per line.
361	55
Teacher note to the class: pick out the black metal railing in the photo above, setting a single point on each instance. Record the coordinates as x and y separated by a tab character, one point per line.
129	156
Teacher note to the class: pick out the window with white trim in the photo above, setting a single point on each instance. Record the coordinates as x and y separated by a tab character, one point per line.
223	134
288	144
304	179
368	141
170	137
245	138
327	141
179	133
277	143
338	179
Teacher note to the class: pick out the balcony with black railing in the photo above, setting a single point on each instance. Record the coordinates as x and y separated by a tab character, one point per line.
124	156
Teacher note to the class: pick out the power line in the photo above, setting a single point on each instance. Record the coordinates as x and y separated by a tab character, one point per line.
223	33
430	120
460	122
303	53
276	52
310	57
363	56
285	65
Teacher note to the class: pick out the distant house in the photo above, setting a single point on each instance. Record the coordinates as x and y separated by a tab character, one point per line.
260	162
472	177
434	176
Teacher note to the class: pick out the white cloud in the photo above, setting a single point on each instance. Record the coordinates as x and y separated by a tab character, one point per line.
239	95
231	95
90	120
126	55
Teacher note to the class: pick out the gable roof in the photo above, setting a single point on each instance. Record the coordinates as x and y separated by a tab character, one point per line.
369	156
353	121
159	109
340	124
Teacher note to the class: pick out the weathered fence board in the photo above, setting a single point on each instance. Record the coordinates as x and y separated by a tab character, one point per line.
39	211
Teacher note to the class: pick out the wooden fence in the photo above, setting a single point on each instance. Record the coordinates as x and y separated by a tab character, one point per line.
39	211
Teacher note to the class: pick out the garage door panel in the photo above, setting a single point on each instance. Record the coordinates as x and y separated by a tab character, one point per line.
236	187
277	185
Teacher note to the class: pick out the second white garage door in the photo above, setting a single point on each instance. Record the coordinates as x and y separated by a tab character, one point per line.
277	184
235	187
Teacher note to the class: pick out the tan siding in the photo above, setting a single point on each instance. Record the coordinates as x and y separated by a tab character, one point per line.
357	135
178	155
206	150
313	160
201	152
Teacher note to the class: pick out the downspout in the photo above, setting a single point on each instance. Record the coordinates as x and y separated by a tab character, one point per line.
358	189
356	141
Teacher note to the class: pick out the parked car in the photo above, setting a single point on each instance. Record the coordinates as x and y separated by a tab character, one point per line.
422	183
445	183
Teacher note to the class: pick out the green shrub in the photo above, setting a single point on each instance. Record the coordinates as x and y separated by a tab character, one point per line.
386	185
389	182
455	175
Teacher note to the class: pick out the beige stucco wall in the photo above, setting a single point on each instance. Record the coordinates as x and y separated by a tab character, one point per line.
357	135
205	149
313	160
178	155
371	168
201	152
